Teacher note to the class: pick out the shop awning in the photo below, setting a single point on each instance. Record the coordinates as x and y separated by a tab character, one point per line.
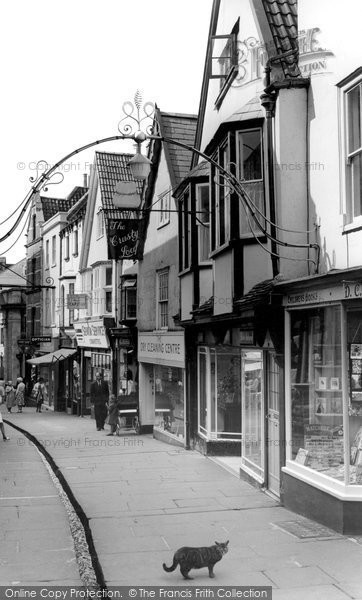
52	357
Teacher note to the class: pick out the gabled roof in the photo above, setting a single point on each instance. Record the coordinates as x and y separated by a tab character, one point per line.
181	128
282	16
13	275
111	168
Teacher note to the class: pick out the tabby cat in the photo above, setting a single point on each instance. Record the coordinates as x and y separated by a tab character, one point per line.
197	558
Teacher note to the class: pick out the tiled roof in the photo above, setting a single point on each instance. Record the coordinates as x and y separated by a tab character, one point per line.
282	17
259	294
204	309
79	208
13	275
77	193
181	128
51	206
111	168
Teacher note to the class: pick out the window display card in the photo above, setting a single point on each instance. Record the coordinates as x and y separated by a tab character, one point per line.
334	383
356	350
302	456
322	383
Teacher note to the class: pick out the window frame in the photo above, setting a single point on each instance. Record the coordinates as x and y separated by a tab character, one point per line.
100	224
66	247
46	252
54	250
75	241
242	214
162	313
347	86
164	200
200	224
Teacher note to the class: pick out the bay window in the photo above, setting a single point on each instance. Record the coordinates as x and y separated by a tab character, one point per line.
250	173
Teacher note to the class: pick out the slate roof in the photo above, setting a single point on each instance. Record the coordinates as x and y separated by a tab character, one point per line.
181	128
112	167
282	16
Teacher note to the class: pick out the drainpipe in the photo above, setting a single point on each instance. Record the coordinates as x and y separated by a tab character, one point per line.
268	101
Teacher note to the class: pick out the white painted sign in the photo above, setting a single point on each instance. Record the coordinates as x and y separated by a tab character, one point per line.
91	334
347	290
164	348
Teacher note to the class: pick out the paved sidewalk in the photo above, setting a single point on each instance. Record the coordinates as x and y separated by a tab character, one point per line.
36	545
145	499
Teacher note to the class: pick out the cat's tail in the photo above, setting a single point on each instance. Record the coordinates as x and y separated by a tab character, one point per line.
172	567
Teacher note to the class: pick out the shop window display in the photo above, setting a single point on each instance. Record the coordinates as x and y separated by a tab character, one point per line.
169	399
354	320
219	393
316	390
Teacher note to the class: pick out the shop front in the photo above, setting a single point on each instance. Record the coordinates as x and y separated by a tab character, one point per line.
59	371
161	358
96	357
322	478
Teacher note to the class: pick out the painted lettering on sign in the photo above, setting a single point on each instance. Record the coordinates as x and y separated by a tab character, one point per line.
123	238
353	290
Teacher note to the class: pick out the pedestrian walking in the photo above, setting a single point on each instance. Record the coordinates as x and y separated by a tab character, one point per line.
99	395
2	429
113	413
39	393
20	394
9	396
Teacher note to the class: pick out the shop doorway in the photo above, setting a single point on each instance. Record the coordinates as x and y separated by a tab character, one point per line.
253	434
273	427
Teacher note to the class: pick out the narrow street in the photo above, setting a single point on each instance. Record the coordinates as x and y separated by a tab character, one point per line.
144	499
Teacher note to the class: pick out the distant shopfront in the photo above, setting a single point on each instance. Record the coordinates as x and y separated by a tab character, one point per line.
323	351
161	359
92	339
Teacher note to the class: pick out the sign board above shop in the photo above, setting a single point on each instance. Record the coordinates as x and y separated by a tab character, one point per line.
91	334
346	290
164	348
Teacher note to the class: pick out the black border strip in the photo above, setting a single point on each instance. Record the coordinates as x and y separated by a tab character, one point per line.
75	504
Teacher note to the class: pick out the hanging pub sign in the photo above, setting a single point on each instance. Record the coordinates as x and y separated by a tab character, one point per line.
123	238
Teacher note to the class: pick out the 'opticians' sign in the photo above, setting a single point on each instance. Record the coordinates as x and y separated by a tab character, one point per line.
163	348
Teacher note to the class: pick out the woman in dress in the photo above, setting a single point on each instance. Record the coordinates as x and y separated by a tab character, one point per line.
20	394
9	396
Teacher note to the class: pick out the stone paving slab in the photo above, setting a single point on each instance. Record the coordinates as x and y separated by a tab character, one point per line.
146	500
36	543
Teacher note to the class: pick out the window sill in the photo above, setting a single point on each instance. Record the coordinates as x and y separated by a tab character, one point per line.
322	482
163	224
185	272
220	249
356	225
